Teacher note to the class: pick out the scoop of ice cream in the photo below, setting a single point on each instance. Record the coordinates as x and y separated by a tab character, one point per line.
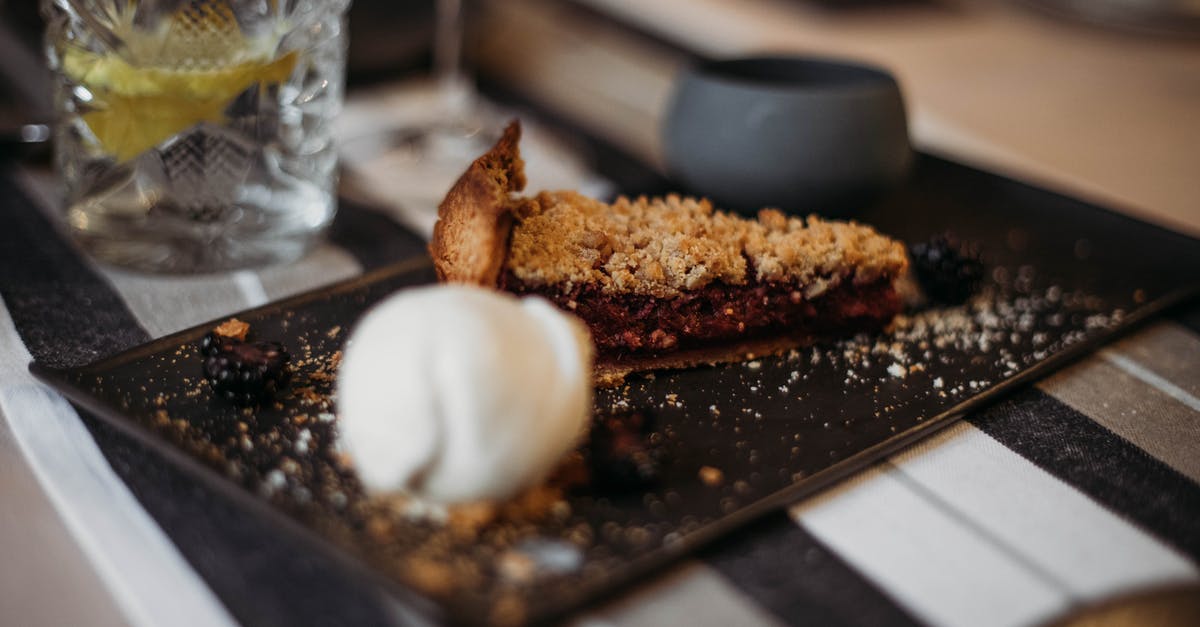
456	393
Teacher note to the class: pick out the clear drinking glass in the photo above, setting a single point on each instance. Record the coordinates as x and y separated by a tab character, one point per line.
458	132
196	135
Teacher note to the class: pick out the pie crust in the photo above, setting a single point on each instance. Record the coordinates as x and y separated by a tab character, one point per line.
829	276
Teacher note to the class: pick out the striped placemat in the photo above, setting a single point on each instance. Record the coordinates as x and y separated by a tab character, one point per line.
1080	489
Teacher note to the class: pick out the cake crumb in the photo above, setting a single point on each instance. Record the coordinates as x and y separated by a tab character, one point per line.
430	576
233	328
467	519
516	566
711	476
508	610
532	505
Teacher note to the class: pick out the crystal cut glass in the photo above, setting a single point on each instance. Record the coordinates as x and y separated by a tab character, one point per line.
196	135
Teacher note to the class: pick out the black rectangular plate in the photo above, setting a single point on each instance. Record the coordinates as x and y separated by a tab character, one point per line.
1065	276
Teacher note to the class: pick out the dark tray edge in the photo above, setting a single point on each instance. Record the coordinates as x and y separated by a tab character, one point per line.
637	569
827	478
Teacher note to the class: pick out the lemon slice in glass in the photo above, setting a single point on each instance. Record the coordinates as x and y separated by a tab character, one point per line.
153	91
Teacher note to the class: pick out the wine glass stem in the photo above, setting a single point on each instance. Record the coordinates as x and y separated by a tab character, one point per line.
454	88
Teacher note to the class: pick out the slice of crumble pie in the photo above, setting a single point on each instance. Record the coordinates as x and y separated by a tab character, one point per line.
665	282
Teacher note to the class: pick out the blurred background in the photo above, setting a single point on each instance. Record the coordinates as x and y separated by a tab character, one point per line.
1096	99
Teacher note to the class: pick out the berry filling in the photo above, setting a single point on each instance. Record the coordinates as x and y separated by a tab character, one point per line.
718	313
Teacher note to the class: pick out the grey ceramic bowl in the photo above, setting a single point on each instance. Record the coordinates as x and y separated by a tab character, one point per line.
803	134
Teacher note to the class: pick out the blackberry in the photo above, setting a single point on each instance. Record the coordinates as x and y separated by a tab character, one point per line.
620	452
212	343
245	372
949	270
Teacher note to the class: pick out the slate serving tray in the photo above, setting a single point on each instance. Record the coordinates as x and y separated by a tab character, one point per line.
1065	276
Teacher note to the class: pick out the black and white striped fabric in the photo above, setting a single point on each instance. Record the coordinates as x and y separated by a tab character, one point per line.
1078	490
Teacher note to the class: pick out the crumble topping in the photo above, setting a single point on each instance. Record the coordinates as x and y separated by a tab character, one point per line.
233	328
663	246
